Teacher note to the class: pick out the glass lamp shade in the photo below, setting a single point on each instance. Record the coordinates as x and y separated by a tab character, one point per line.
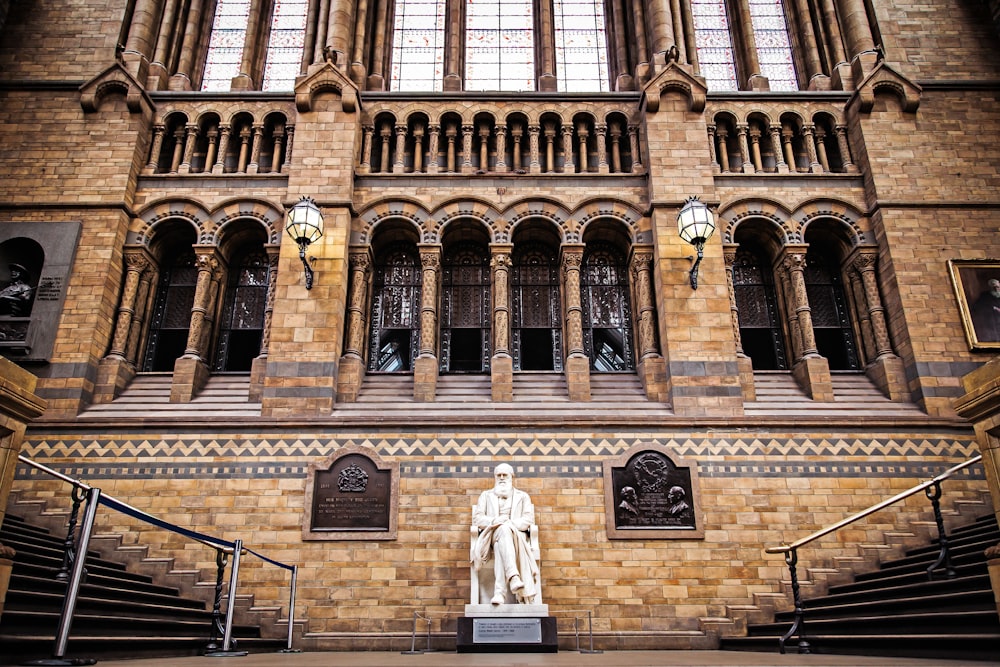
304	222
695	223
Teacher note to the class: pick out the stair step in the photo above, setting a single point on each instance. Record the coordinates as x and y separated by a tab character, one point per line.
967	646
956	622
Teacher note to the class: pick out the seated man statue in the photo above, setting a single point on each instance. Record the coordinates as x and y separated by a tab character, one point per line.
502	515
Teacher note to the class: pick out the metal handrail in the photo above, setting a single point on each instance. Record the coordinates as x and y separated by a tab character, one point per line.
785	548
931	488
94	498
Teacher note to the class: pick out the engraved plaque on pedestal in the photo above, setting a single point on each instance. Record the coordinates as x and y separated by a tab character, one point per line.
351	496
651	494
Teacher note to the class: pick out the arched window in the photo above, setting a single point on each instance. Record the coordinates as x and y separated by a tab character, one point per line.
726	59
171	318
418	45
536	309
225	46
607	314
581	45
829	310
395	333
499	45
242	325
465	309
757	304
284	48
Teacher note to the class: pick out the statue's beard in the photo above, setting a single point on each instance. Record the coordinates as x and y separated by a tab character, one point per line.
502	489
995	293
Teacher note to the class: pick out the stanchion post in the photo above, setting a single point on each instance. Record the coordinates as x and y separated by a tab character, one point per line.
291	612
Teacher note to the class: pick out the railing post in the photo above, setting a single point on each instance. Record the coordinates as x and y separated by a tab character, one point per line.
933	493
234	574
217	629
291	611
798	625
69	544
93	496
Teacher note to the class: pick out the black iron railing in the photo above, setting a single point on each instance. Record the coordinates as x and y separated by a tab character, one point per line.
932	488
77	542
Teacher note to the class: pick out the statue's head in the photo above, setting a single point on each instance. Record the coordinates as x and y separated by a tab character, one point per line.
503	475
994	286
675	494
17	272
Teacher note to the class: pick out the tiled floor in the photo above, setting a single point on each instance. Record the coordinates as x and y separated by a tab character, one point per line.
562	659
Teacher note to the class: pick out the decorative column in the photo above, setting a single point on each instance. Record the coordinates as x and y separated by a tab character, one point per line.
141	37
550	148
811	370
662	29
786	141
279	137
352	363
432	149
581	135
741	133
399	166
257	143
191	370
450	133
758	163
117	368
251	50
569	161
723	151
577	363
386	134
454	51
484	147
601	132
241	164
712	153
886	371
534	164
809	138
213	149
824	160
289	135
358	72
616	149
425	368
175	159
779	162
258	367
467	167
652	368
181	80
517	165
340	30
546	48
502	364
633	139
418	149
190	134
501	165
845	150
154	151
743	363
807	38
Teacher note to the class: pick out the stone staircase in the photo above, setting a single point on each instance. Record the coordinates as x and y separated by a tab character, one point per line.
778	395
147	397
897	611
120	612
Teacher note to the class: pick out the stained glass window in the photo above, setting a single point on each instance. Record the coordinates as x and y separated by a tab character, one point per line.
225	47
499	45
284	50
418	45
715	46
581	45
774	51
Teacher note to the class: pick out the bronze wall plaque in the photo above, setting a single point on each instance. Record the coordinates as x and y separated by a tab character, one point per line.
651	494
352	496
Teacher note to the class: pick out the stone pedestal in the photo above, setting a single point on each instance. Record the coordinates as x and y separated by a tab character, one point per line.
813	375
190	377
425	375
113	375
507	628
502	378
578	377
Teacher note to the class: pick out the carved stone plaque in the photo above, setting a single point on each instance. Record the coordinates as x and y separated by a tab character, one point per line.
352	496
651	494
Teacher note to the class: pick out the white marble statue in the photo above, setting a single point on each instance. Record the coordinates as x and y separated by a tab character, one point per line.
503	515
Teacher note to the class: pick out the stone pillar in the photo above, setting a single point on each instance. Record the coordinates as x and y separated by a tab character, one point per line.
399	166
723	150
858	37
712	153
191	369
244	156
432	148
807	38
789	151
467	167
279	140
418	149
117	369
810	370
141	37
534	161
809	136
652	368
741	133
365	167
376	78
190	135
601	134
501	165
352	363
249	65
18	406
175	158
425	368
981	405
824	159
502	364
633	138
154	151
454	43
845	150
577	362
546	49
289	135
662	32
358	72
340	32
758	163
569	162
220	162
181	80
886	370
386	134
779	161
743	363
581	136
616	149
516	161
450	134
484	147
258	367
257	142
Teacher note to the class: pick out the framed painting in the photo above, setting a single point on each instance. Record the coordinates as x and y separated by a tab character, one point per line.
977	289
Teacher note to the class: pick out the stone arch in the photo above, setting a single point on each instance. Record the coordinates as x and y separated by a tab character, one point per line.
729	217
268	216
410	212
188	210
464	209
545	209
591	211
840	211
